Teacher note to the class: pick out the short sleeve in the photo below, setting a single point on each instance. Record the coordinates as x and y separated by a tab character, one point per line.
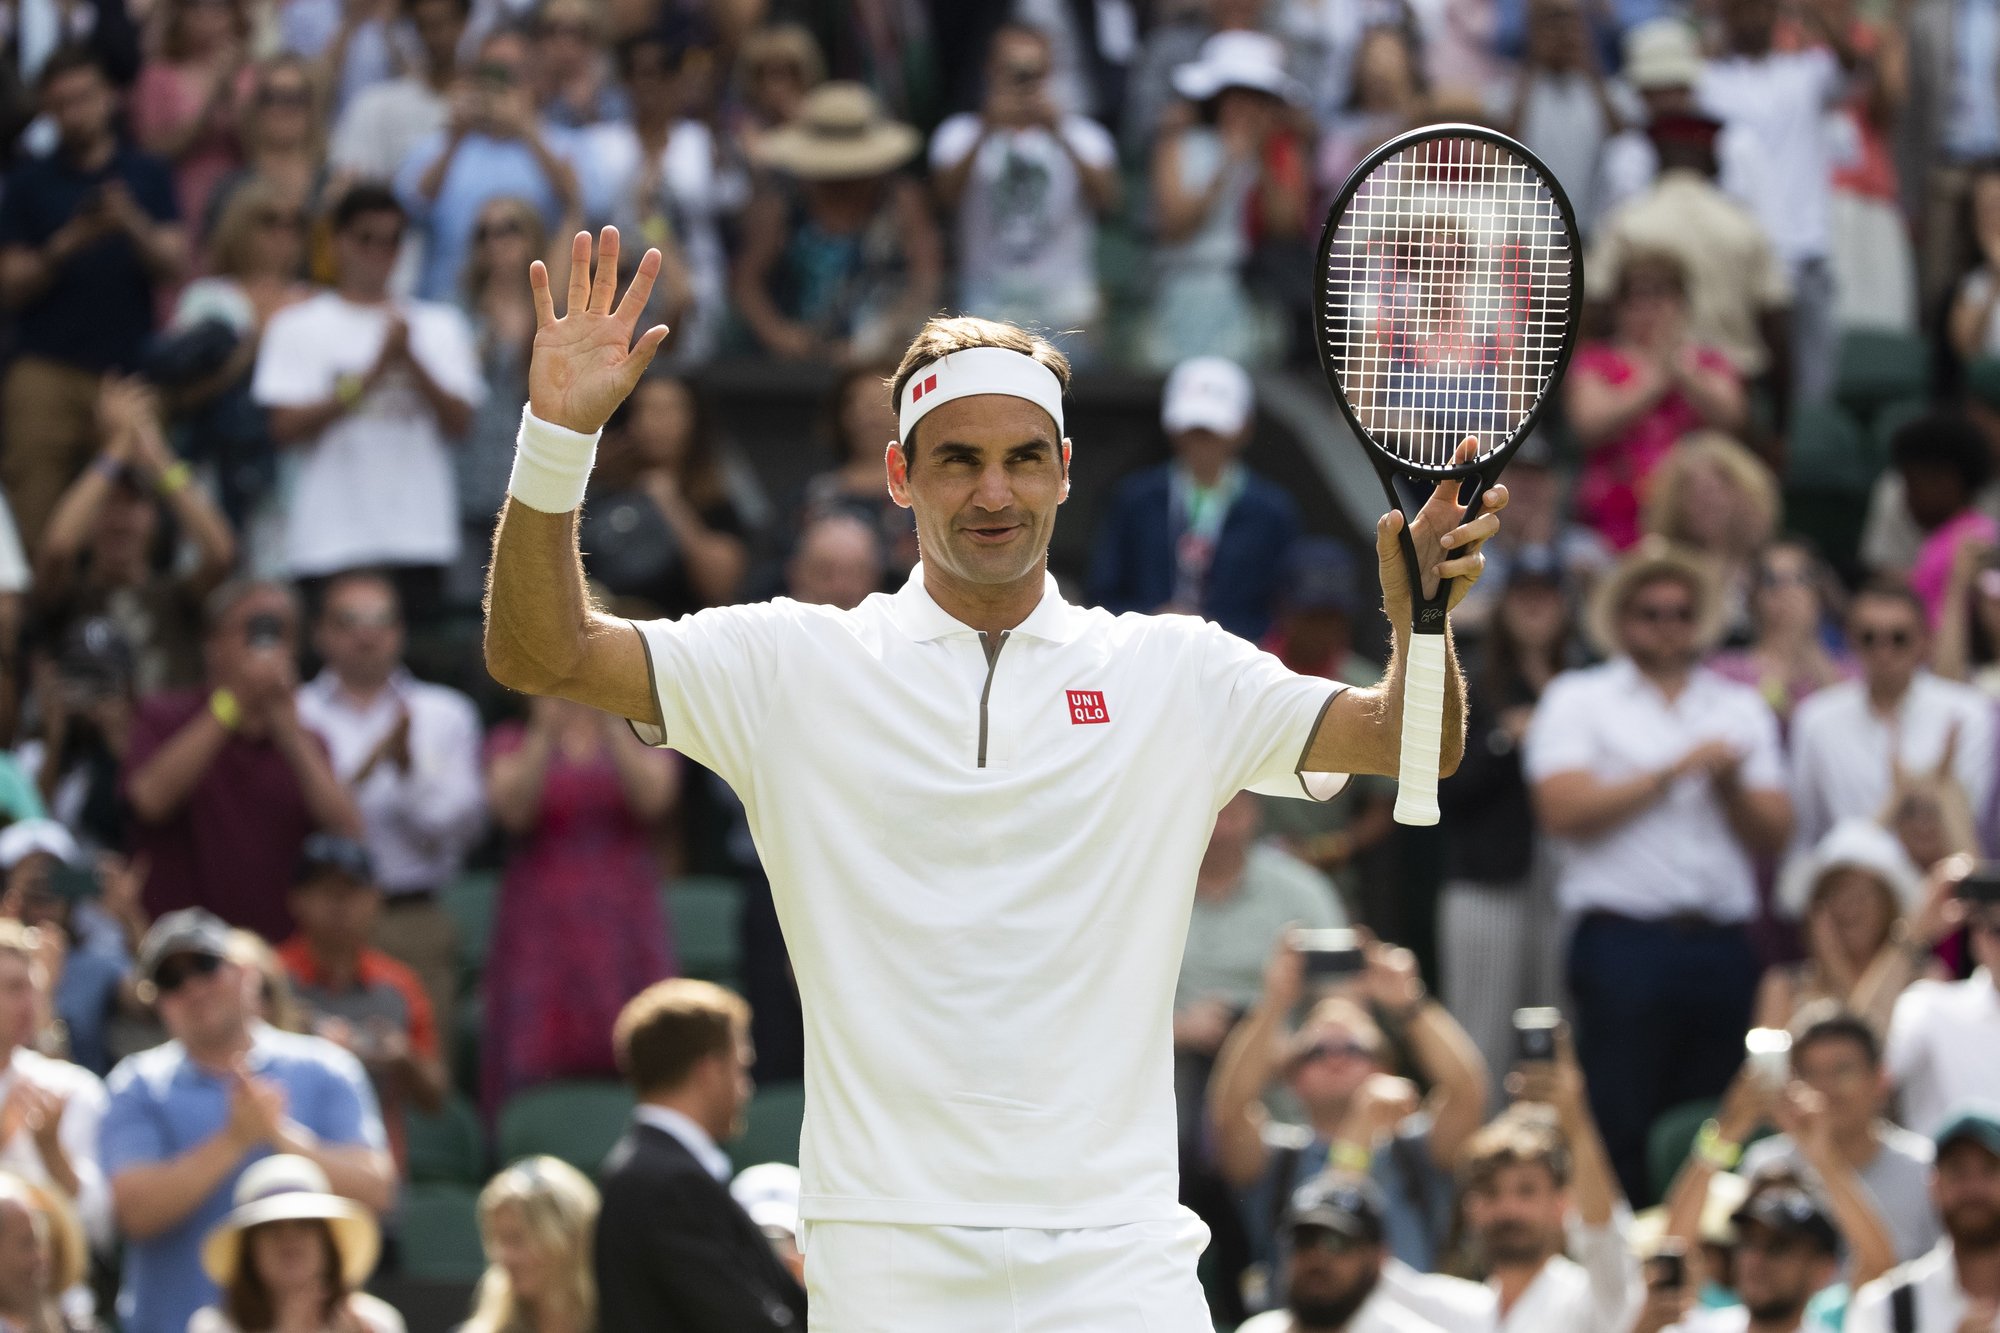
443	340
1261	719
131	1134
714	677
953	140
343	1108
1559	737
1091	142
289	373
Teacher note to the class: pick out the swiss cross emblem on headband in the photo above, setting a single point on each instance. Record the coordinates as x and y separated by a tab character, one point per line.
919	390
1087	706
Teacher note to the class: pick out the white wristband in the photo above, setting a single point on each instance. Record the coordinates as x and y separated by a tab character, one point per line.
551	465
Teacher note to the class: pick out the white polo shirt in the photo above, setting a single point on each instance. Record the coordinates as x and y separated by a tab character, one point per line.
1601	1289
1940	1300
1936	1028
1678	855
984	871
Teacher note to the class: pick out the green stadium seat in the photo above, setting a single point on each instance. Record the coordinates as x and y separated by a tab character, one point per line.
449	1147
471	901
1669	1142
771	1126
705	913
1878	366
1828	450
576	1121
1892	417
438	1229
469	1030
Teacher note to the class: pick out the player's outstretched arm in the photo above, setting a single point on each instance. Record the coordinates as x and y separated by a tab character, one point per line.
542	634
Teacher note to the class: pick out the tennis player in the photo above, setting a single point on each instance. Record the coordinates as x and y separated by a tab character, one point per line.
981	810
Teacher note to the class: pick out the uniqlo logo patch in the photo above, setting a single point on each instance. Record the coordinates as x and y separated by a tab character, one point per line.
1087	706
919	390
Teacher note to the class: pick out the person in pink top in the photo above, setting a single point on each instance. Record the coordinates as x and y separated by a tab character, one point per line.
188	96
1944	461
1632	397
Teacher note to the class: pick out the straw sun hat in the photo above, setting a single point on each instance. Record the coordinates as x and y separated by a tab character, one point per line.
841	133
286	1188
1651	559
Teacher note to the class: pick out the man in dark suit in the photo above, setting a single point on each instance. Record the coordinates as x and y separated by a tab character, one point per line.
1203	534
674	1252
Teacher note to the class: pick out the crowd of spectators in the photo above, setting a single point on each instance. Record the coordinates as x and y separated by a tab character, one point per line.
1731	769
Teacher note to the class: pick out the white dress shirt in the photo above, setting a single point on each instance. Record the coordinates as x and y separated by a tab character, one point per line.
1841	749
1942	1047
1781	100
1678	855
84	1103
1599	1290
420	823
692	1137
1941	1301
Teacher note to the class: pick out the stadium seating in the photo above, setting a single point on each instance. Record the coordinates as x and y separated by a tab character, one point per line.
470	901
576	1121
1878	367
449	1147
706	912
771	1132
438	1232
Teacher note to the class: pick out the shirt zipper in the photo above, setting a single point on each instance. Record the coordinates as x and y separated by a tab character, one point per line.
992	649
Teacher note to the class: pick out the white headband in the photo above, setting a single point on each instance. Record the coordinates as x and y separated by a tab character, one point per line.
979	370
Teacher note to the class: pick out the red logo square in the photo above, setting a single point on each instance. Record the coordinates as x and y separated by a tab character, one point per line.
919	390
1087	707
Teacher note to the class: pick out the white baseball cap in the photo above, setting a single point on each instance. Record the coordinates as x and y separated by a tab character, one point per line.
769	1192
1237	59
21	840
1662	53
1207	393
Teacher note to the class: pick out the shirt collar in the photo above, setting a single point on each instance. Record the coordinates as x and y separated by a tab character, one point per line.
691	1136
922	619
326	686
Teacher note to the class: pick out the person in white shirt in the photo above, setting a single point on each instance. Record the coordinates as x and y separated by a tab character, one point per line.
1956	1287
1537	1183
1661	783
1334	1265
1944	1034
1787	1252
50	1109
409	751
981	810
1847	739
369	389
378	129
1026	184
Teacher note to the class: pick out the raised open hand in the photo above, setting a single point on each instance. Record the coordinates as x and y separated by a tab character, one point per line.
585	363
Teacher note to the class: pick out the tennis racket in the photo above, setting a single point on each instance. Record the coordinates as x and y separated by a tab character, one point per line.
1450	277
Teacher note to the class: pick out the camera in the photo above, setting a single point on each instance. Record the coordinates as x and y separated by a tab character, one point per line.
1982	884
1768	1052
1535	1034
1330	954
1667	1269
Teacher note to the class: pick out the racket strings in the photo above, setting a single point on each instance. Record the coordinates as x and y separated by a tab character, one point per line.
1448	298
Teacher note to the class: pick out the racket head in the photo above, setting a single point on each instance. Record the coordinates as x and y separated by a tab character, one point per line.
1448	290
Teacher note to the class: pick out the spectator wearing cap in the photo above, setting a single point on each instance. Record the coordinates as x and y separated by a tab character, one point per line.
1497	953
1230	190
1313	634
1025	185
369	389
1849	739
1661	783
1787	1252
355	995
224	783
292	1254
1675	186
1839	1058
840	258
494	146
1938	1025
186	1119
1857	897
50	1109
1203	534
96	918
408	750
769	1193
1335	1253
1956	1287
377	129
88	235
674	1249
1537	1188
100	554
1356	1114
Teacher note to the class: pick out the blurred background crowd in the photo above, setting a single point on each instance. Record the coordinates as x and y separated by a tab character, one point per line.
289	882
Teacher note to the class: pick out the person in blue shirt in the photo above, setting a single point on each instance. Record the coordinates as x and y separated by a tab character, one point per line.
186	1118
1201	534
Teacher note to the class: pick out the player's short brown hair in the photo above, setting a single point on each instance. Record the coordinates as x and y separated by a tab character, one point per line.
671	1026
1520	1136
946	334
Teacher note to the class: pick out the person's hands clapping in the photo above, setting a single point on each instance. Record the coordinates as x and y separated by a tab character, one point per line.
257	1110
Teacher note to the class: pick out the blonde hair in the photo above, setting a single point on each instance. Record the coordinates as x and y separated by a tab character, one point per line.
229	243
280	1002
1756	489
792	42
557	1205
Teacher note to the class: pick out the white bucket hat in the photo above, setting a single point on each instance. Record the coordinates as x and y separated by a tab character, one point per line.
769	1192
1858	844
288	1188
1238	60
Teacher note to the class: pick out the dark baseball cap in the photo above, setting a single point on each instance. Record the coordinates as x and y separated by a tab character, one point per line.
334	854
1978	1122
1346	1205
190	930
1793	1213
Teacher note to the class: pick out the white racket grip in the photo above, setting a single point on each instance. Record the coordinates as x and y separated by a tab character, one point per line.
1423	731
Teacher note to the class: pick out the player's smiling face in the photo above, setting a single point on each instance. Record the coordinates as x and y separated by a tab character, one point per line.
984	478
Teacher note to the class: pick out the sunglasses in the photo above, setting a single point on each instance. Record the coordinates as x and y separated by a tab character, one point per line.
1331	1050
1325	1240
365	619
1898	639
493	231
1677	613
176	972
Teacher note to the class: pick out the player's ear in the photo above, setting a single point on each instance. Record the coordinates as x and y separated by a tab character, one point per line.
1065	470
897	464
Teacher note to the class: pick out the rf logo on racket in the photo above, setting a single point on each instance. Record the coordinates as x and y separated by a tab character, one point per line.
1087	706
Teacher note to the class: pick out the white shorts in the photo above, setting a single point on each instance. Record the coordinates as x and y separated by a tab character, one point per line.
874	1277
